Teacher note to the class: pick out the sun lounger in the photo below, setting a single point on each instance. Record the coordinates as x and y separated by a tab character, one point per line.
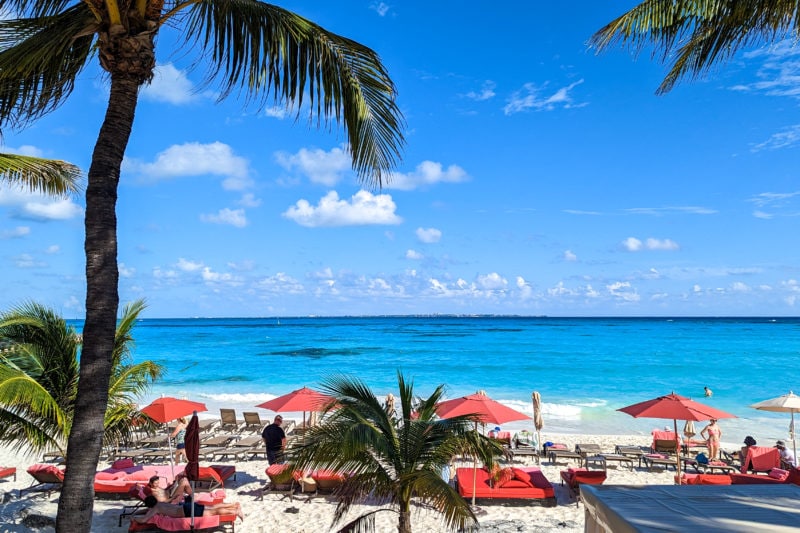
665	446
252	422
533	487
327	481
8	471
140	492
228	421
617	458
238	449
560	451
47	478
654	460
202	523
519	453
630	451
281	480
573	478
588	449
761	459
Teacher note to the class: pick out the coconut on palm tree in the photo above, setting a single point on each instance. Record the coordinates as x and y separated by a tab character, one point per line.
248	47
693	35
39	378
391	461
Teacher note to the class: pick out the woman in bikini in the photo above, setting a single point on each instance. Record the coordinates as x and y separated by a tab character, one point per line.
713	434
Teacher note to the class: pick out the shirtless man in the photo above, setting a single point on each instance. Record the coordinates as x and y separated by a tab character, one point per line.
184	510
179	489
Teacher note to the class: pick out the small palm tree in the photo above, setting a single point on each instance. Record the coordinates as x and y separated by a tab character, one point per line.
39	378
693	35
391	460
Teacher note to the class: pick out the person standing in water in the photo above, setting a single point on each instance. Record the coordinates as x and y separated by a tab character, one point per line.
709	393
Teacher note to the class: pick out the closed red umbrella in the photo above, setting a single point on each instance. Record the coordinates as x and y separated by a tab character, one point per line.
192	441
304	399
487	411
674	407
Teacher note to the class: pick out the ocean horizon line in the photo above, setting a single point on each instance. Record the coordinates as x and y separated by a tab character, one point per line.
476	316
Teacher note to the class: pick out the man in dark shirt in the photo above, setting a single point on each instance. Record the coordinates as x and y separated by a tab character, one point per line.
275	439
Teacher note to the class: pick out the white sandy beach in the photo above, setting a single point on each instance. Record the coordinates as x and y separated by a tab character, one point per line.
262	516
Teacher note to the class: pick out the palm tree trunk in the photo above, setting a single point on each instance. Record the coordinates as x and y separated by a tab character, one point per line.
404	522
102	300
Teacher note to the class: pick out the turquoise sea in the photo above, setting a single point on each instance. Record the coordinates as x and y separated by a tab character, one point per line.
584	368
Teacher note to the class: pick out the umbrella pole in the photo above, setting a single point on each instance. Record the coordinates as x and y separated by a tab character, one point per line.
794	442
474	471
677	453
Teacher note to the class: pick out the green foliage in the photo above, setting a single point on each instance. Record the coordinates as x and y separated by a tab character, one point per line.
391	460
39	378
694	35
52	177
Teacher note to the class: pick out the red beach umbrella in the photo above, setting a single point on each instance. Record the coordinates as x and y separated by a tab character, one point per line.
304	399
674	407
488	411
167	409
192	441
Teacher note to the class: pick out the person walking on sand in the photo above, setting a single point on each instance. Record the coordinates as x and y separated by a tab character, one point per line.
179	434
713	434
708	392
275	440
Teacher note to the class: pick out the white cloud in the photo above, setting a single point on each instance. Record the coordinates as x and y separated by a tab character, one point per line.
364	208
779	74
426	173
249	200
381	8
738	286
429	235
492	282
485	93
169	85
529	98
16	233
196	159
188	266
210	276
28	261
789	136
281	283
124	271
233	217
53	249
659	211
632	244
55	210
279	112
623	291
326	168
569	256
525	289
413	254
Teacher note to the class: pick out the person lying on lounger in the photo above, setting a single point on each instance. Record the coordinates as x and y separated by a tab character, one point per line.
174	493
184	510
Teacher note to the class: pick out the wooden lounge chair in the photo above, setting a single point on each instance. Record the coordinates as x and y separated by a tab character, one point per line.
665	446
560	451
47	478
237	449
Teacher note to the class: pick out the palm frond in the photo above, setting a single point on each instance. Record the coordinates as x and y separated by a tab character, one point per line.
40	60
49	176
34	8
694	35
267	53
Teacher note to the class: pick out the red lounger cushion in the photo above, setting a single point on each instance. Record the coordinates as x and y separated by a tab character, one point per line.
40	469
167	523
575	476
327	475
223	471
706	479
7	471
541	487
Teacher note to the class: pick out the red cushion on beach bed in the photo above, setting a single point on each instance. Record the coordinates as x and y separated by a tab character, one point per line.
166	523
705	479
224	472
8	471
541	486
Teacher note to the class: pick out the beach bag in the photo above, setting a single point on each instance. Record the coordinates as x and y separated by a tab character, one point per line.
701	458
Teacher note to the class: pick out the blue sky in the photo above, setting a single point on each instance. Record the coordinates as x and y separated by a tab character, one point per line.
538	178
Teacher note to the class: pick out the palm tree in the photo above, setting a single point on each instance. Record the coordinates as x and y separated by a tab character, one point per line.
693	35
391	460
49	176
39	377
254	48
